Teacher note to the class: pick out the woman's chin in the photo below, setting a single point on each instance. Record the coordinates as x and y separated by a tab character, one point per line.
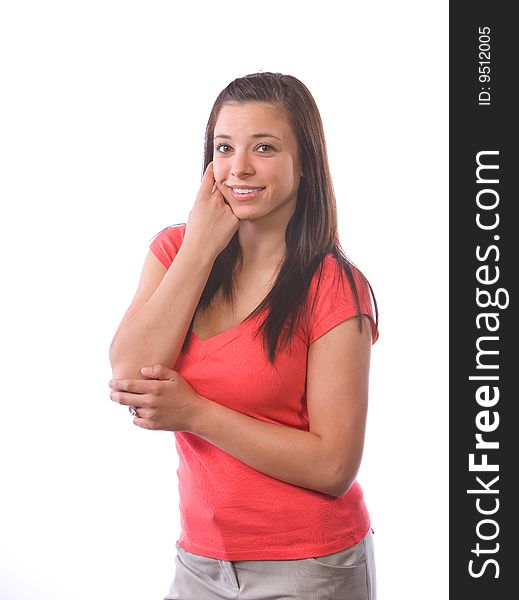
245	213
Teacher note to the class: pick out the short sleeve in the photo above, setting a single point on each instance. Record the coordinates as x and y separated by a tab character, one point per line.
167	242
332	300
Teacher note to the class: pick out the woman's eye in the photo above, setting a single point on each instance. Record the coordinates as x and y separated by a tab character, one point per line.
222	148
265	148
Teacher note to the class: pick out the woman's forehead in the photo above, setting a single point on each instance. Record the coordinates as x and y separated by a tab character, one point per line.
252	118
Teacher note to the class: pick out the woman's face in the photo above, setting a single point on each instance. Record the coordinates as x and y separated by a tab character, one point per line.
255	161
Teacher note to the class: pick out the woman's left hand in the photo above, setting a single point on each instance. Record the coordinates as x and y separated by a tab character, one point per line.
163	401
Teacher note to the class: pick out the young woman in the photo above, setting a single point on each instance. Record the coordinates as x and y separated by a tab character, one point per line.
249	336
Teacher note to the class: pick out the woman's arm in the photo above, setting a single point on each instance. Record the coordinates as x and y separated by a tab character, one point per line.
326	458
155	325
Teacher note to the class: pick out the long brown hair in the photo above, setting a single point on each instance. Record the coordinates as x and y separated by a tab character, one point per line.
311	233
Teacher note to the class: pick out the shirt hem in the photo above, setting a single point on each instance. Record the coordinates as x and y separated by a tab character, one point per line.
273	554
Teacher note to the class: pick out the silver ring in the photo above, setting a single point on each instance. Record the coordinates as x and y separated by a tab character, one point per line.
133	411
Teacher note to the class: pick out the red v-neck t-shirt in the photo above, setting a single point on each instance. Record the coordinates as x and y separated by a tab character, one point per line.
229	510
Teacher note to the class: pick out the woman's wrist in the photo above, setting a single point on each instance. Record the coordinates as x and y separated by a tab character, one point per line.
201	409
199	258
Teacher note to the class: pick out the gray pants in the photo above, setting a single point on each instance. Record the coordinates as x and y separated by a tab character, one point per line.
345	575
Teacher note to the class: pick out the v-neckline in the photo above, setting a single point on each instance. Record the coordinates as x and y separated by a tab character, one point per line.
222	333
231	329
200	348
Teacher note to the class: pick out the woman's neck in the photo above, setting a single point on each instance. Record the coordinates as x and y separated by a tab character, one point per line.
260	245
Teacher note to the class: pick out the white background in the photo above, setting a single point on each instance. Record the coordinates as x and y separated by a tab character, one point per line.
103	111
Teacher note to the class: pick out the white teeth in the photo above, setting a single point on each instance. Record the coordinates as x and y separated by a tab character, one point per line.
244	191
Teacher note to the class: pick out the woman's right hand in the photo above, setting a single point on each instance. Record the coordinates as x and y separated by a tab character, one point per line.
211	223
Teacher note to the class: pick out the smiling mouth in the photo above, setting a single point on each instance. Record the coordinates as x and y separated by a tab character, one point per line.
245	191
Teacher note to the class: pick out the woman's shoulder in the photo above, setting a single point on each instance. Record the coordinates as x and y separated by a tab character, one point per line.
337	291
333	271
166	243
171	232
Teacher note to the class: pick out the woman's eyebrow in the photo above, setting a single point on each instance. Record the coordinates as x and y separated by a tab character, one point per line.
255	135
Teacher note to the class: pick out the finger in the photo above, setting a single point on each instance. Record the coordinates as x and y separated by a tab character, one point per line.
208	182
232	212
145	424
159	372
127	399
142	413
135	386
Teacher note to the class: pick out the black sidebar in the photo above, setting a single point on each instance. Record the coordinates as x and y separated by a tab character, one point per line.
484	337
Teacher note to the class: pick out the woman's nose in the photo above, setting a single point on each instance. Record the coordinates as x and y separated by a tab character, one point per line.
241	165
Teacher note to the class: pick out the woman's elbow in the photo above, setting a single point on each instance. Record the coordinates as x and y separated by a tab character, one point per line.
121	368
341	480
341	487
115	362
120	371
115	355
